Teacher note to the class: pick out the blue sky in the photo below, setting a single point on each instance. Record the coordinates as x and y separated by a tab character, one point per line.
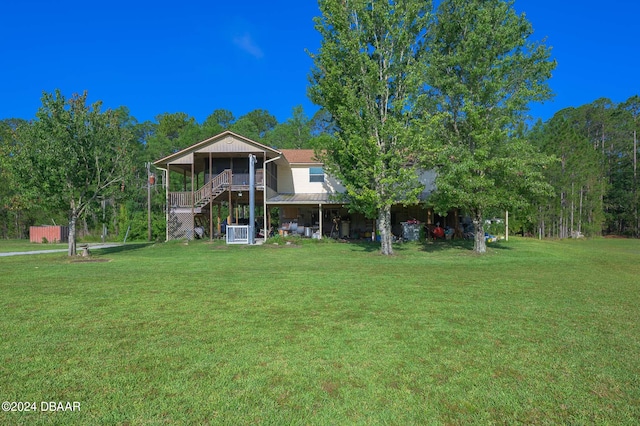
198	56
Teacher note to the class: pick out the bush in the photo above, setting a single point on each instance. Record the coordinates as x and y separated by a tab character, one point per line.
495	228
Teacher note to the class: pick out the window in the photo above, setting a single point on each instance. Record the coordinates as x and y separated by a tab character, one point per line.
316	174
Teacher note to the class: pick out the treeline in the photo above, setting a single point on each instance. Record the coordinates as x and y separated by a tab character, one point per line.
126	212
595	172
173	132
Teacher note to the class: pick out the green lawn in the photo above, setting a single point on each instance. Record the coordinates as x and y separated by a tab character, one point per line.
535	332
24	245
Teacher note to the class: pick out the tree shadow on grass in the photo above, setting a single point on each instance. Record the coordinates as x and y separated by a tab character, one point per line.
442	245
462	245
366	246
119	249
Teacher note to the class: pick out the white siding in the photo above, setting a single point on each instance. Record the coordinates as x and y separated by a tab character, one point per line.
303	186
285	180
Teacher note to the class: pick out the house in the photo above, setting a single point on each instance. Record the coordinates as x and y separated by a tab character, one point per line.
202	178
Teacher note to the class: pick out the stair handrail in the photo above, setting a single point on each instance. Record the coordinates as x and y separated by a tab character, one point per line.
217	182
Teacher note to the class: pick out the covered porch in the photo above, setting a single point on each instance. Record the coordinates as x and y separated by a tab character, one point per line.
211	179
315	216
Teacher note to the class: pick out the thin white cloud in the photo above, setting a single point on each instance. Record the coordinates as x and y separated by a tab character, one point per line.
246	43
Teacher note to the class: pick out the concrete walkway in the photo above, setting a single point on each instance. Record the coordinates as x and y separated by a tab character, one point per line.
91	247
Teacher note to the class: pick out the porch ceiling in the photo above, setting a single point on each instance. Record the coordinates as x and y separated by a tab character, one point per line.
200	160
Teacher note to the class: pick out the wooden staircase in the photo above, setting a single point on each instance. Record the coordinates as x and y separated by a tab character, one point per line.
212	189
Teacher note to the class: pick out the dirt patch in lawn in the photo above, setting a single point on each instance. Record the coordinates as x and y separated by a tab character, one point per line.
90	260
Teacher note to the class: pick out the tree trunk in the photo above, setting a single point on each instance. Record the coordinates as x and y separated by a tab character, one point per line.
562	216
573	207
384	220
580	216
479	243
72	232
18	226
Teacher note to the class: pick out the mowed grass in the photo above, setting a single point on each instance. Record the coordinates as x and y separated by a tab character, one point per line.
7	246
534	332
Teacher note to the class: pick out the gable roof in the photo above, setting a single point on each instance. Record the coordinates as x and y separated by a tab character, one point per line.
300	156
212	140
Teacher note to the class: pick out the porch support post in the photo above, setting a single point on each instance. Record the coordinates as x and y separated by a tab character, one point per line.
320	223
210	201
211	220
373	234
230	205
252	199
267	215
506	225
268	224
193	215
456	224
168	207
265	231
219	218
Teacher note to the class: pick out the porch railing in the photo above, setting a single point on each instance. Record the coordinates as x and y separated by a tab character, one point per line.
212	188
180	199
237	234
242	179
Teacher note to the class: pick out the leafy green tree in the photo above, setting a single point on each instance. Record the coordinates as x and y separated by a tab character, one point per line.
262	119
247	128
632	106
322	123
595	178
12	211
172	125
173	132
366	75
217	122
72	155
220	118
144	133
574	207
621	167
608	128
482	74
293	134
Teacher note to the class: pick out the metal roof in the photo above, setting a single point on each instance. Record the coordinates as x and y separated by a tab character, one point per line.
306	198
